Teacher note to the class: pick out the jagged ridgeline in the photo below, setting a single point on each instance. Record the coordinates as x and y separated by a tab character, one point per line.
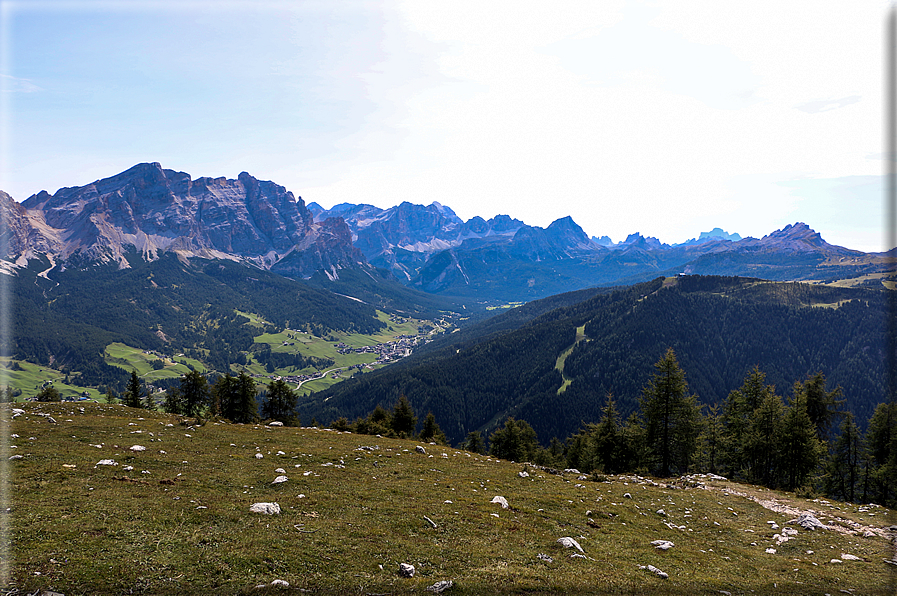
69	316
555	368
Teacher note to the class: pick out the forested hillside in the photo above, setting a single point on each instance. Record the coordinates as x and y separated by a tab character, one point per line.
720	328
67	318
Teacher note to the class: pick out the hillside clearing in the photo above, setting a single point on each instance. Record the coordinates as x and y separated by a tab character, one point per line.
175	518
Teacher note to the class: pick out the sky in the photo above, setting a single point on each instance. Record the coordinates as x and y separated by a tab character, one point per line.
664	118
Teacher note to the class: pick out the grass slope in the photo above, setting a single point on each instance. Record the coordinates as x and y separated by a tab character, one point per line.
354	507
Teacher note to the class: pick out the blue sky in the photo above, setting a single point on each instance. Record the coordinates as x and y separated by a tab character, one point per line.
667	118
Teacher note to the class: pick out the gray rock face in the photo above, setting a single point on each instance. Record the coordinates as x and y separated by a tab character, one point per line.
808	522
149	209
406	570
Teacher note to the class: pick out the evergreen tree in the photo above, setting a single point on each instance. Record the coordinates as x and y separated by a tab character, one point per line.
671	417
881	447
474	442
195	391
763	441
49	393
133	391
710	440
174	401
223	396
111	398
844	468
633	444
737	414
244	409
606	439
148	402
403	418
517	441
378	422
822	405
801	448
431	431
281	403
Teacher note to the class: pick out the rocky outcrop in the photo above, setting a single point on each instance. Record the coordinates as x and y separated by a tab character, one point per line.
147	209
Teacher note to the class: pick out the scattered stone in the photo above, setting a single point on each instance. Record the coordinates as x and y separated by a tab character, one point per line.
770	551
523	474
280	480
137	448
128	468
808	522
432	523
280	471
577	556
568	542
572	471
654	569
420	449
14	457
275	423
51	420
266	508
662	544
279	583
501	501
835	561
848	557
259	456
627	495
440	587
106	462
546	558
446	502
406	570
18	411
661	512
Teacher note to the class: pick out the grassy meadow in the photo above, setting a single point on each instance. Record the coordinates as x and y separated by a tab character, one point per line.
175	519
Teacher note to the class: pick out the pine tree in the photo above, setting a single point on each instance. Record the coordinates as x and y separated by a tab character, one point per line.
281	403
174	401
671	417
403	418
111	398
710	440
49	393
133	391
881	446
737	414
762	442
517	441
245	410
431	431
195	391
474	442
606	439
801	450
844	467
822	405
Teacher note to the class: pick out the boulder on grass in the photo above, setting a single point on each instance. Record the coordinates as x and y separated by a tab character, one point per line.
265	508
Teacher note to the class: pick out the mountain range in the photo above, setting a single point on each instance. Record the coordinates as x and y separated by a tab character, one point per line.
148	210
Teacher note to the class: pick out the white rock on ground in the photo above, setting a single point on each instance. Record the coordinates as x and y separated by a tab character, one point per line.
654	569
406	570
440	587
136	448
280	480
266	508
106	462
279	582
501	501
848	557
523	474
662	544
420	449
770	551
280	471
275	423
807	521
568	542
259	456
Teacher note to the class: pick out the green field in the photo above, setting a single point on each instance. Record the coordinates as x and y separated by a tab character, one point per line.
354	507
130	358
31	377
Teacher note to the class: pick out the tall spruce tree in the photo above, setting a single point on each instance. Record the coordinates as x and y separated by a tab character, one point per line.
133	394
672	417
844	467
517	441
606	439
431	433
822	406
801	451
195	392
762	444
403	418
280	403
